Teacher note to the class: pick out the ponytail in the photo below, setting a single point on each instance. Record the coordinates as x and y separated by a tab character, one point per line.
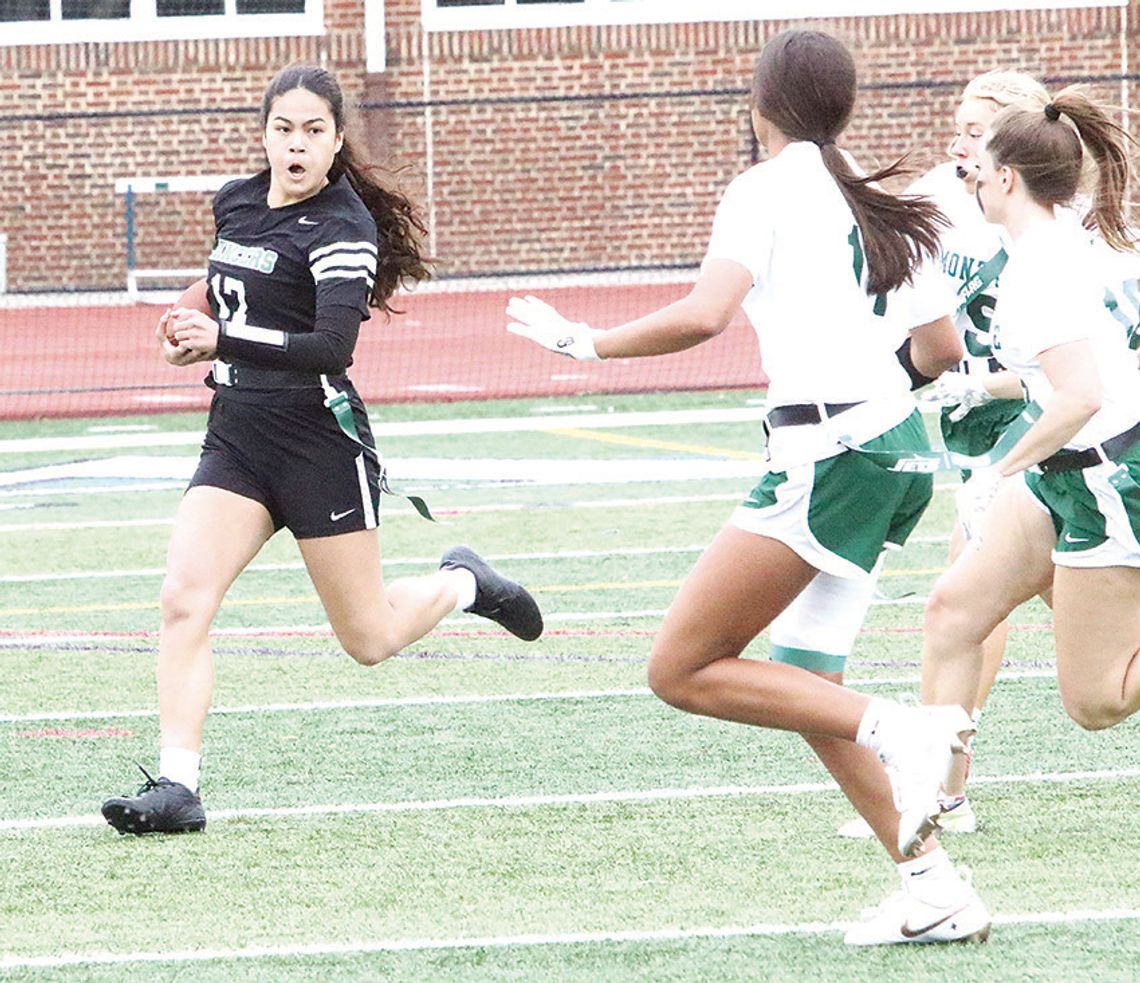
1047	149
898	231
1107	144
399	228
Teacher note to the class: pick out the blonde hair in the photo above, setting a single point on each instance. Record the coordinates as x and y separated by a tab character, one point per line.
1007	88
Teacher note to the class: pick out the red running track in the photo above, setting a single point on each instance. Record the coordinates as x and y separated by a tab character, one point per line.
104	360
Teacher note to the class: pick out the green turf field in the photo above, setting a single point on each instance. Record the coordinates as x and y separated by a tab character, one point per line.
479	808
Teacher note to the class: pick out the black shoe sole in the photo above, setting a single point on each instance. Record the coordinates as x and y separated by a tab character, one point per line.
126	819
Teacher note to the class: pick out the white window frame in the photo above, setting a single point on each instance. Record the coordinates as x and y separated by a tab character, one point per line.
512	14
144	24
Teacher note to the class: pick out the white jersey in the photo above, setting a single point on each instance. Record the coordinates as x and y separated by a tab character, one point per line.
970	262
822	338
1053	293
1122	288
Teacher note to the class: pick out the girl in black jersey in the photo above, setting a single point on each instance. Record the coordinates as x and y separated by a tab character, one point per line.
303	250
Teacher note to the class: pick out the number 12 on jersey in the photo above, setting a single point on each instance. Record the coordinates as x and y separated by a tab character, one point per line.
231	310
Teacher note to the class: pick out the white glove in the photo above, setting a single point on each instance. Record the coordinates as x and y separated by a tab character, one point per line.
974	497
541	323
961	390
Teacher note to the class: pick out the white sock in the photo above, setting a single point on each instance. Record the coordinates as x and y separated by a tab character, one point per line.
931	877
465	589
180	765
879	713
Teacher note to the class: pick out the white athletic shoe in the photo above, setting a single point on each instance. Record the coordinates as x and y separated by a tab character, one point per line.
956	816
959	916
917	752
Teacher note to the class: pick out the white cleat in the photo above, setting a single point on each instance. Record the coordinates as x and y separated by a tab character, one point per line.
956	816
917	753
959	916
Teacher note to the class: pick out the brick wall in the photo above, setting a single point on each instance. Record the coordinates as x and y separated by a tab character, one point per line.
549	149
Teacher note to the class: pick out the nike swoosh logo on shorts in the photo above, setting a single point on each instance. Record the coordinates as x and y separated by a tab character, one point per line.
914	933
337	516
1070	539
305	220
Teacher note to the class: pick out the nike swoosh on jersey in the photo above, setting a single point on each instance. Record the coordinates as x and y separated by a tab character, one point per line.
914	933
305	220
337	516
1070	539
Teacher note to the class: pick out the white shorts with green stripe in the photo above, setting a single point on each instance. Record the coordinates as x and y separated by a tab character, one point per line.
839	513
1095	512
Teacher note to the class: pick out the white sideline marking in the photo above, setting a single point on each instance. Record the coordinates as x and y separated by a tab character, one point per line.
574	798
764	929
417	701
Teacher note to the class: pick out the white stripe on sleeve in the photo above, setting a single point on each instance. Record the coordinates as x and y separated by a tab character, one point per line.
344	247
260	336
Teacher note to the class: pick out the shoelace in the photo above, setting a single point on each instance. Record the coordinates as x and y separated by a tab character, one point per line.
151	783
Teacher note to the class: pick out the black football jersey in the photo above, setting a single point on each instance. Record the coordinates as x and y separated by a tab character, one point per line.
272	268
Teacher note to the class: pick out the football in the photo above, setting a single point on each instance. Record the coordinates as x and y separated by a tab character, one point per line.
196	297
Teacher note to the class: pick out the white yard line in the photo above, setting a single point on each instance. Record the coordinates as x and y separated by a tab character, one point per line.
318	950
419	701
569	799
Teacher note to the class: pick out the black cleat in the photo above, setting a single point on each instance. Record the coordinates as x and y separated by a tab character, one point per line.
161	806
496	597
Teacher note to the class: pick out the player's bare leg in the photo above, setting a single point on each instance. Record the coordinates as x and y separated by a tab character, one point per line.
1096	621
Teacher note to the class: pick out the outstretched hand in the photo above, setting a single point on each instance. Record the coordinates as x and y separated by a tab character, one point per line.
541	323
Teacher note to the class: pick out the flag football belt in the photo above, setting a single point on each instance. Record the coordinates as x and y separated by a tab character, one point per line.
1111	450
927	462
803	414
248	377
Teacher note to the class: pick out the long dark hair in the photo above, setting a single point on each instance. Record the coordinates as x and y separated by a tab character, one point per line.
804	85
1047	147
399	227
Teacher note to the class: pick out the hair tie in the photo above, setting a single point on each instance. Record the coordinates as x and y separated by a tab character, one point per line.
1052	113
823	143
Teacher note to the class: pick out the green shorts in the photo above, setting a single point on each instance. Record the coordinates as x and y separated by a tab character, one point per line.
978	431
839	513
1095	512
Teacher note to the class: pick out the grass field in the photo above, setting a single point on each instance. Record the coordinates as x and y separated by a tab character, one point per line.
480	808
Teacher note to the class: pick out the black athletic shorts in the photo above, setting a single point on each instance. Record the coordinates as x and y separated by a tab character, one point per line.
293	458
